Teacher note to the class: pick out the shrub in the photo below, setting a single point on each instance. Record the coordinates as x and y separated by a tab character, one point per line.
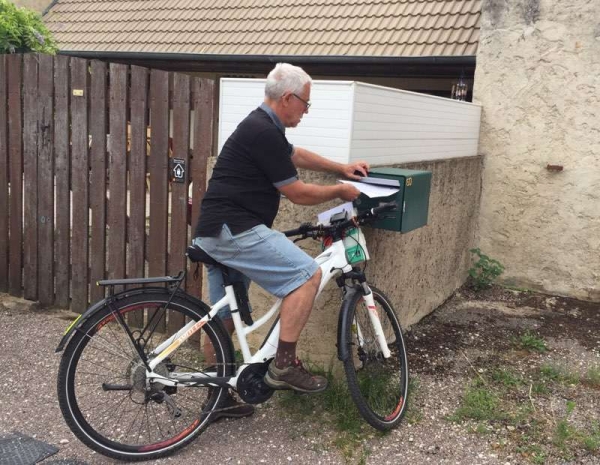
22	30
485	270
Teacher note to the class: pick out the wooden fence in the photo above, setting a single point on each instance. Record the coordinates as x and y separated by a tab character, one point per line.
95	164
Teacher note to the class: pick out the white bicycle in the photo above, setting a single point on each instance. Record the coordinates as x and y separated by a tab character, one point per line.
134	383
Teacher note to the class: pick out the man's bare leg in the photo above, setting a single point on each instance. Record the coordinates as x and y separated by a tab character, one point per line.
285	371
296	308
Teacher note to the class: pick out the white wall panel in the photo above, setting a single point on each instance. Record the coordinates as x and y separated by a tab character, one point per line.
395	126
354	121
325	129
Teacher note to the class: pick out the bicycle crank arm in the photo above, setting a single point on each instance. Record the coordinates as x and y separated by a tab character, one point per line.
116	387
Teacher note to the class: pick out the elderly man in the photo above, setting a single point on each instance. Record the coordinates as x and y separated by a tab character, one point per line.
256	165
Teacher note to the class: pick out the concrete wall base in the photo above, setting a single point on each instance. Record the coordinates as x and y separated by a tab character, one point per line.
418	270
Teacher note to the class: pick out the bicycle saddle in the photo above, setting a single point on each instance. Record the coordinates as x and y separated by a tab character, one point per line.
196	254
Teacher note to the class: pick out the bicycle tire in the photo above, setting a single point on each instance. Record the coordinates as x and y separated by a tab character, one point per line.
142	421
378	386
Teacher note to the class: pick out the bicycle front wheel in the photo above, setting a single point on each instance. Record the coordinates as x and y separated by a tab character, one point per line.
378	385
103	390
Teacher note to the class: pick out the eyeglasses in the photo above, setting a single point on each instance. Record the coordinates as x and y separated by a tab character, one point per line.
305	102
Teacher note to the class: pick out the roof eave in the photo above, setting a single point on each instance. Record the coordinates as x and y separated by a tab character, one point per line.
464	60
332	65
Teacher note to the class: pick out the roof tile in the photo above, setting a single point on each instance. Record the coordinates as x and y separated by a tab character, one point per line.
263	27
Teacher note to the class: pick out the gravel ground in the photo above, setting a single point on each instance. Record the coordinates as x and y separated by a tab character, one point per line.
460	342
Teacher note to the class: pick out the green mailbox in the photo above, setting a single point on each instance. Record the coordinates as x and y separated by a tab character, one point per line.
412	198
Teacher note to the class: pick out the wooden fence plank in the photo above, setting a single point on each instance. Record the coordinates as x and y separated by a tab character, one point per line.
4	218
117	168
30	168
15	156
179	190
158	168
79	184
203	91
136	232
98	104
45	181
62	171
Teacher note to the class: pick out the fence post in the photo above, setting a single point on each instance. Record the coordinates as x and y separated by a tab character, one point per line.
203	91
79	184
179	190
98	105
117	168
45	181
158	168
62	163
4	218
15	157
136	228
30	169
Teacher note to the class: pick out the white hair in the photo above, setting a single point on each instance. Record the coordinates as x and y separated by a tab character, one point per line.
285	78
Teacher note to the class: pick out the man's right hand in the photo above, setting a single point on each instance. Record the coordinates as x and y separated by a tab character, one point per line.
348	192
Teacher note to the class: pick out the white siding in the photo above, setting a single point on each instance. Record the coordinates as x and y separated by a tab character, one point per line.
325	129
356	121
396	126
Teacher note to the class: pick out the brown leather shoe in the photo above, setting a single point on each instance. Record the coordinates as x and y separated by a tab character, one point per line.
294	377
231	408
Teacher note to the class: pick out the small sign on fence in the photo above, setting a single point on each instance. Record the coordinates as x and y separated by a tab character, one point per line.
177	170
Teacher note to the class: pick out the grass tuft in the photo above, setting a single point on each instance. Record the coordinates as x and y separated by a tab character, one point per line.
592	377
531	342
506	378
559	374
479	403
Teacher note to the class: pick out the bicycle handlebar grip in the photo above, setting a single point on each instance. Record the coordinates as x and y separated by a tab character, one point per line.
384	208
303	229
293	232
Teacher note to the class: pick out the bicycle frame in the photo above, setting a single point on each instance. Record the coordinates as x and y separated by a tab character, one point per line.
332	262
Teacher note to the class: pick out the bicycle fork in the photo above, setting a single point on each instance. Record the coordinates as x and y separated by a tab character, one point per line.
376	322
369	300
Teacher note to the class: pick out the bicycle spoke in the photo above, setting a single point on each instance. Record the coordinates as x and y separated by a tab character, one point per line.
131	351
104	381
378	385
158	424
114	354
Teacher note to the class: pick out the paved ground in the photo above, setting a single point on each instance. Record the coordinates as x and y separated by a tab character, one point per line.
446	351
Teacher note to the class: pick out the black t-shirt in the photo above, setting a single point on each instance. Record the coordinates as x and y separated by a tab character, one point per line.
242	191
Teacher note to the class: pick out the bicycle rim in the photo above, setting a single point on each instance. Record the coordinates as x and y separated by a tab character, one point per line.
140	420
378	385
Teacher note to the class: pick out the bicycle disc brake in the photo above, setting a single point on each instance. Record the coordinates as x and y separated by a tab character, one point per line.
251	386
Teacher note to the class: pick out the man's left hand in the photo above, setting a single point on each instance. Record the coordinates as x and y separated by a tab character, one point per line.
352	170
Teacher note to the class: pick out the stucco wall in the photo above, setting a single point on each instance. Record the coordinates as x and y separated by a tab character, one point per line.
538	79
418	270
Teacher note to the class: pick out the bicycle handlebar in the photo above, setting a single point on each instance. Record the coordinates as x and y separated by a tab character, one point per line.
310	230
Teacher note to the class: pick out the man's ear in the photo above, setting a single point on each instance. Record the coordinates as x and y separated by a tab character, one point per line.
285	98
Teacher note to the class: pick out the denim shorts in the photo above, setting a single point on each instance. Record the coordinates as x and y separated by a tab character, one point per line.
260	254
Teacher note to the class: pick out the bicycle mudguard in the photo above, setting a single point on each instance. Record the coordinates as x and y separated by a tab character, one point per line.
344	322
81	319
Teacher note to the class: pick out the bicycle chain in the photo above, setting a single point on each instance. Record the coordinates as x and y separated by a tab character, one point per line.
223	409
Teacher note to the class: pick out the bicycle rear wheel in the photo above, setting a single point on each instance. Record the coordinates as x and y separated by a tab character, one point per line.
378	385
104	393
